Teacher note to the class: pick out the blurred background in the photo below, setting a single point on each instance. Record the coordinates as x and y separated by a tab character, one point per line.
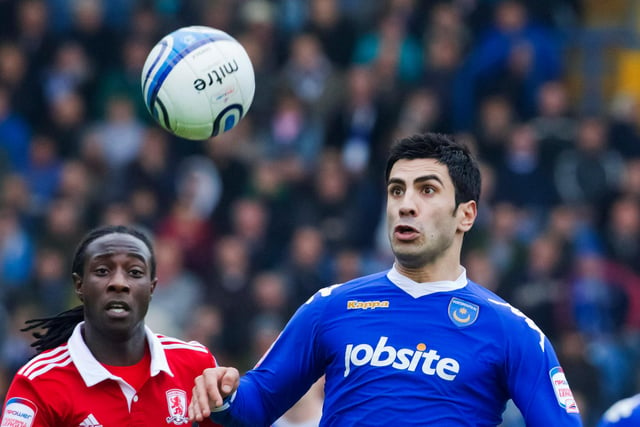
249	224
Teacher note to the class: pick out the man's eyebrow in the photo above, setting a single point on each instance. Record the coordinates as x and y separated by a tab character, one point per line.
425	178
129	254
418	180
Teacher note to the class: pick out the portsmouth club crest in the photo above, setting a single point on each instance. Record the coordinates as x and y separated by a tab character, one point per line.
462	313
177	402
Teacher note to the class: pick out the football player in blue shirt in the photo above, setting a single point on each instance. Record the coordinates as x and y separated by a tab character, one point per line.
624	413
419	344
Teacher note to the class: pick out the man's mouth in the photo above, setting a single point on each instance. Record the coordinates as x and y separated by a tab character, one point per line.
404	232
117	307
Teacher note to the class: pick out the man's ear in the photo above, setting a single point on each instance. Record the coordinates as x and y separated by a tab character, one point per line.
77	284
468	212
154	282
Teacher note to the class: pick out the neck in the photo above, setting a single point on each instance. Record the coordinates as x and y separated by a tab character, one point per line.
426	274
446	266
115	350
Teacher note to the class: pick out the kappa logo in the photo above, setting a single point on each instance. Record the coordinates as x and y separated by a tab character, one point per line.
177	404
19	412
463	313
90	421
366	305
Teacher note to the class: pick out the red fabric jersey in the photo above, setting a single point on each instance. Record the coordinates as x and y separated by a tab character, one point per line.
67	386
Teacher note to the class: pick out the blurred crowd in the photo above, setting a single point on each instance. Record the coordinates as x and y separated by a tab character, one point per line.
249	224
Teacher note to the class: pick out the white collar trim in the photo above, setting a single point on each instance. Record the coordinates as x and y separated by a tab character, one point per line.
92	371
417	290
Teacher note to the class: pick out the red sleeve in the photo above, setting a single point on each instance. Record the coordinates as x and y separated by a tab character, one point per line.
25	406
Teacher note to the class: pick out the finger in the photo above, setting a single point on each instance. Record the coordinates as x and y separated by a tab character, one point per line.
195	411
229	381
209	395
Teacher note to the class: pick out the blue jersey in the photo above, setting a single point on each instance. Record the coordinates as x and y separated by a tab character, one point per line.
624	413
397	352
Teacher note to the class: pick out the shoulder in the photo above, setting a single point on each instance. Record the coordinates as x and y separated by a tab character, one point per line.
47	363
505	314
511	323
332	299
170	344
355	285
182	355
625	412
490	300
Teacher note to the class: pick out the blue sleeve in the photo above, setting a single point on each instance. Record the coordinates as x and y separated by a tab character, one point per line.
281	377
624	413
534	376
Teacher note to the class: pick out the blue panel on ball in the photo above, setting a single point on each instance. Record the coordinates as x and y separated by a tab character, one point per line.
184	42
163	46
229	122
228	117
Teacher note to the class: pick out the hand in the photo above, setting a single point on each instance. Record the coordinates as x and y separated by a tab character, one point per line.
210	389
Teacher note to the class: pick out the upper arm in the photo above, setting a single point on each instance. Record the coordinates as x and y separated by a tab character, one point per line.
285	372
535	379
25	407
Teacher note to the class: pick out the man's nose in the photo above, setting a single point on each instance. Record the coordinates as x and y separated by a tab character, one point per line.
407	206
119	281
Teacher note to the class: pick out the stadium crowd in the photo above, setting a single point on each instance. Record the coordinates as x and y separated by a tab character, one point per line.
249	224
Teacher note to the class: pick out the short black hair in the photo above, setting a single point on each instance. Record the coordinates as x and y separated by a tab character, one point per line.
463	168
60	327
77	265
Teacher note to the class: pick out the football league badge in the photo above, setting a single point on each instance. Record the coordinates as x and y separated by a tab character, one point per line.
462	313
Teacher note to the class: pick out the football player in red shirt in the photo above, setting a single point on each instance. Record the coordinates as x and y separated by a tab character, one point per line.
98	364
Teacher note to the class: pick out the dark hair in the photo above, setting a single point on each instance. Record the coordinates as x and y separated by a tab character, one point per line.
60	327
463	169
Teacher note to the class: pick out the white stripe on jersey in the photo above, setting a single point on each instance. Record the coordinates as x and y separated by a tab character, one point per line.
49	367
54	355
172	343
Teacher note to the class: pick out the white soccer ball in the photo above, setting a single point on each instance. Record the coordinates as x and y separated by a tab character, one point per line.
198	82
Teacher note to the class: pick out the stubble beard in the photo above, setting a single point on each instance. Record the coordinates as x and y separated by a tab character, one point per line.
416	255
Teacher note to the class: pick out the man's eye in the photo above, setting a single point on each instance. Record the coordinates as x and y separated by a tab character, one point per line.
428	190
396	191
101	271
137	273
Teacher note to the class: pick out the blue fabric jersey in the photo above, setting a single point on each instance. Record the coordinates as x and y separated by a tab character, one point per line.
397	352
625	413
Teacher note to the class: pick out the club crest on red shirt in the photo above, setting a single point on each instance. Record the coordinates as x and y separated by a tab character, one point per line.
177	403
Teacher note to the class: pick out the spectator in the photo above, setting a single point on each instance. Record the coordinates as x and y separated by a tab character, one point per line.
538	289
311	76
16	255
554	122
229	288
177	292
49	282
496	120
295	134
586	173
335	30
15	134
523	166
583	374
390	50
621	232
357	127
43	173
305	267
120	133
514	56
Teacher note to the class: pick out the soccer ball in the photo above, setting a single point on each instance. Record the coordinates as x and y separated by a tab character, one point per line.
198	82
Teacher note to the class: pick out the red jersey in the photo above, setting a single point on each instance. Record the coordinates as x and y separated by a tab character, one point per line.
67	386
